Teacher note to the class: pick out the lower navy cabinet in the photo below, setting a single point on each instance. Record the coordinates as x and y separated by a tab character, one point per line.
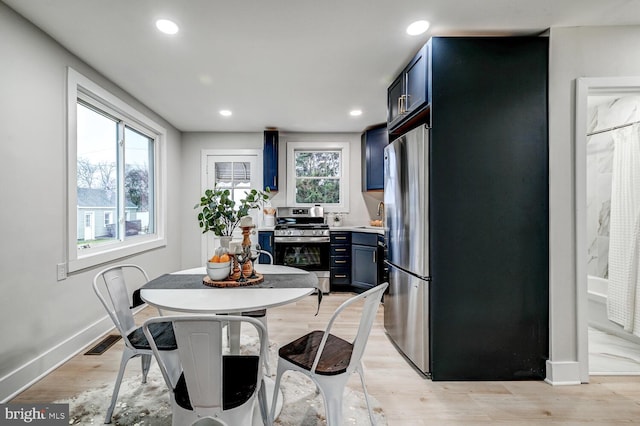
365	261
265	239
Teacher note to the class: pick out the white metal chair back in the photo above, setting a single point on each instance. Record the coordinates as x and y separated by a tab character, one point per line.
269	255
119	309
111	289
372	298
200	348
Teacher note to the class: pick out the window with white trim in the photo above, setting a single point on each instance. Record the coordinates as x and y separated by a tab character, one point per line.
114	169
318	174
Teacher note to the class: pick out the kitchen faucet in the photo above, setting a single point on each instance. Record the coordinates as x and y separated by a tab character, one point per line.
380	208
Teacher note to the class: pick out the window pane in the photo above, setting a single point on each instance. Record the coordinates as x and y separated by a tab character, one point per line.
234	176
318	191
138	178
317	164
97	150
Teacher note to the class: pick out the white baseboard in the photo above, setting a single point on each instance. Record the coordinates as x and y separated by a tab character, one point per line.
563	373
32	371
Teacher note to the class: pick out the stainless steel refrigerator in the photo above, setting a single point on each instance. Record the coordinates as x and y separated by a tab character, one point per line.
406	198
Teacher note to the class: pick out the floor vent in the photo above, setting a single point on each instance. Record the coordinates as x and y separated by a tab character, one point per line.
105	344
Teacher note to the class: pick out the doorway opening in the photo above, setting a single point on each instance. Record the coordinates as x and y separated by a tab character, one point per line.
607	213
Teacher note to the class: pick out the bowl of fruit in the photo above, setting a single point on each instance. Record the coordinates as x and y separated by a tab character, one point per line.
219	266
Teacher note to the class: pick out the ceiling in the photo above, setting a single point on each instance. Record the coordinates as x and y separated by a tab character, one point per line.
297	65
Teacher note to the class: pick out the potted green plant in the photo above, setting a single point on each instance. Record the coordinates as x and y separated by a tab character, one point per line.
260	200
218	212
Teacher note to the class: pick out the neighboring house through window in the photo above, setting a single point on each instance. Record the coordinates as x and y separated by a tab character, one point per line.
115	164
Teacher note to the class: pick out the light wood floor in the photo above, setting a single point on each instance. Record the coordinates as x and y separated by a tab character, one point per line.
406	397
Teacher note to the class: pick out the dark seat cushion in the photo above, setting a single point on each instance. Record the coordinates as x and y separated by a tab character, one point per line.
334	359
239	374
255	314
162	333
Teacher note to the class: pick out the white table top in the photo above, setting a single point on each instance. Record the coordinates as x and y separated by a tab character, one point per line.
225	300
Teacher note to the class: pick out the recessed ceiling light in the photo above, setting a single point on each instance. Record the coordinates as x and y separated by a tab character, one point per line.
418	27
167	26
355	112
225	112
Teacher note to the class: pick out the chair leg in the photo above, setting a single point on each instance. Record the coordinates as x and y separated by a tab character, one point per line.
264	408
126	355
333	408
146	363
276	390
366	394
267	367
332	390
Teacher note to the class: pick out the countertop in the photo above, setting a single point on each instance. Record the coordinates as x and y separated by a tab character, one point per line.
362	228
353	228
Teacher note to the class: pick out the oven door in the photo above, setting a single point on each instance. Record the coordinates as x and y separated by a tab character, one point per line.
308	253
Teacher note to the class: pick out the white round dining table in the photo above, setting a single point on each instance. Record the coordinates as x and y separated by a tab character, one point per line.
229	300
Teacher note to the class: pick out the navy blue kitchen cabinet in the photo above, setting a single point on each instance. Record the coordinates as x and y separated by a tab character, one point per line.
265	239
364	261
340	267
270	160
374	140
408	94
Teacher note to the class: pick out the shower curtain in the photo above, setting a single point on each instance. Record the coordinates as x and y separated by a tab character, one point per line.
623	301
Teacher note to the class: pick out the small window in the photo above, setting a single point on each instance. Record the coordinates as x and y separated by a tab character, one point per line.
234	176
114	156
319	174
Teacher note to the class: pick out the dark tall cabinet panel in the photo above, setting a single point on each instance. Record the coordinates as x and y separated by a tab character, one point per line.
373	142
270	160
489	208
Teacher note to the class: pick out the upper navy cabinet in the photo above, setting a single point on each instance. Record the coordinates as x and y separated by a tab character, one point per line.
373	142
409	93
270	160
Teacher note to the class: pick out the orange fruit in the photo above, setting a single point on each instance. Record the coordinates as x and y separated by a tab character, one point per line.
224	258
215	258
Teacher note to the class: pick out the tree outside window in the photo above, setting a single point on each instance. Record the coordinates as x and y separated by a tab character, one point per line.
318	177
320	172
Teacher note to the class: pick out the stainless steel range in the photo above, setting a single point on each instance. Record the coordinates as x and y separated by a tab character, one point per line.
301	240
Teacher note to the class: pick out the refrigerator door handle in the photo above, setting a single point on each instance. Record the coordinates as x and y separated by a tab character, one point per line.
422	277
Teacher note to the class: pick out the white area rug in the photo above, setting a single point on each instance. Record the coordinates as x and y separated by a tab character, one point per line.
148	404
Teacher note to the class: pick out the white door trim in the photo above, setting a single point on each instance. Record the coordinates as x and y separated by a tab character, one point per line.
205	154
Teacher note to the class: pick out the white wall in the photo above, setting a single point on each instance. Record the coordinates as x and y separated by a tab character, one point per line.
43	320
363	206
574	52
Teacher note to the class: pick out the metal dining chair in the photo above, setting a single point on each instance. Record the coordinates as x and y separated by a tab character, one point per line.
212	384
330	360
111	289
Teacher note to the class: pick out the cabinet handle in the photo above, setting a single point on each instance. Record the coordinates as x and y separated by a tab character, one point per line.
340	238
374	257
341	249
274	182
340	276
341	261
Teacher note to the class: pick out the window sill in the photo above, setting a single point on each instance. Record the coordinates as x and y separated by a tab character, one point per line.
95	259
